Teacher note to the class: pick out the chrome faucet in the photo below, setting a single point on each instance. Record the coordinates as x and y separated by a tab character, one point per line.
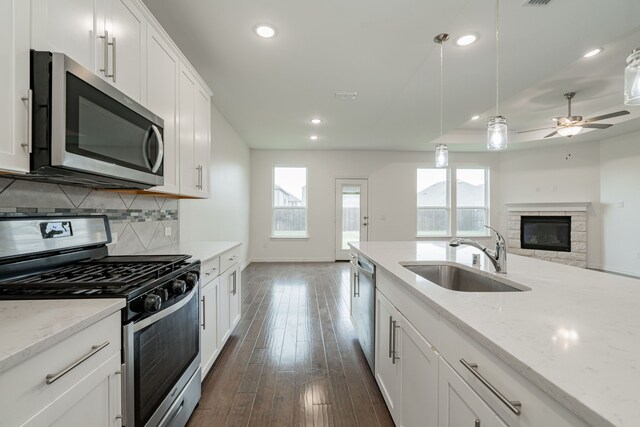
498	257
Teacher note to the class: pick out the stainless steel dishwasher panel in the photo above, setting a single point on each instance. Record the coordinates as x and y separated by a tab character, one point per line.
363	306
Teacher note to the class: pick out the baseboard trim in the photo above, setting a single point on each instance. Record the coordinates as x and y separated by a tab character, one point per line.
292	260
245	265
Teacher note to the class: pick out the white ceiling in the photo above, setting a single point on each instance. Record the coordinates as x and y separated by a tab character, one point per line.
268	89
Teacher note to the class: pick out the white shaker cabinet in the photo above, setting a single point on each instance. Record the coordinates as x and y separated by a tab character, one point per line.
195	136
406	368
163	68
14	86
105	36
460	405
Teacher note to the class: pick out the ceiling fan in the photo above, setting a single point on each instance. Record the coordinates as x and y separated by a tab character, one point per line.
572	125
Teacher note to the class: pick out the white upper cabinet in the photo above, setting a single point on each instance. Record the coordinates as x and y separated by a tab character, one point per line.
14	85
195	136
163	67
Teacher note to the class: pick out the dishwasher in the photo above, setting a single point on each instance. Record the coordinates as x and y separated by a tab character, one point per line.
363	298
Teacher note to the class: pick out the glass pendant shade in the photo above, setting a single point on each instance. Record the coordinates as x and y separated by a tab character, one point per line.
632	79
497	133
442	156
570	131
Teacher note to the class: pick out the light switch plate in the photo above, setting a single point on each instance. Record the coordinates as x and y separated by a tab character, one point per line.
114	237
167	231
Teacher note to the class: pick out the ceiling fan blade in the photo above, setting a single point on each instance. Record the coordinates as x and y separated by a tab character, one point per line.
535	130
607	116
552	133
596	126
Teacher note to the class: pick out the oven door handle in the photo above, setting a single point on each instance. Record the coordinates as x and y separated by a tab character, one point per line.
166	312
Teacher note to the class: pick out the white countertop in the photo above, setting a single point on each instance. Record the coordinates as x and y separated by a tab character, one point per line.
29	326
202	250
575	334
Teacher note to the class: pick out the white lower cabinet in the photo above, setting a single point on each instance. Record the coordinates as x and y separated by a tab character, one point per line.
406	368
224	324
459	405
208	325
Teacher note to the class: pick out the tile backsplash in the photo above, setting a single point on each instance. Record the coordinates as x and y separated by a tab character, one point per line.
140	221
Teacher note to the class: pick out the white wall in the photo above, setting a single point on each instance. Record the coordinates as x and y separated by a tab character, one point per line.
225	216
392	196
560	172
620	182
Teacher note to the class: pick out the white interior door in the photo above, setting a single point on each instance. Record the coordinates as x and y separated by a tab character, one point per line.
352	214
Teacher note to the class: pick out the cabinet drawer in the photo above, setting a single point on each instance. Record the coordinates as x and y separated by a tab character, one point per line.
24	387
537	408
210	270
229	259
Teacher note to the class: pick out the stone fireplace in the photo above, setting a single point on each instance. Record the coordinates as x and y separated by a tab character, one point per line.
554	232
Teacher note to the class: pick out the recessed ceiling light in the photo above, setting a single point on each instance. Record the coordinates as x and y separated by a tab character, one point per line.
265	31
313	137
475	117
316	121
466	39
593	52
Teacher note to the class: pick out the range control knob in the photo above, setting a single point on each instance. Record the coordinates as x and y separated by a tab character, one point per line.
179	287
192	279
152	302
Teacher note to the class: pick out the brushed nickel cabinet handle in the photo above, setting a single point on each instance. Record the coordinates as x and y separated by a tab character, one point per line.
356	285
105	53
394	356
51	378
390	337
477	423
113	47
29	100
513	405
204	312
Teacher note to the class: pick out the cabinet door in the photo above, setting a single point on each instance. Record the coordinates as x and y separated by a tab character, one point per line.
419	378
188	167
234	297
14	85
67	26
163	67
202	140
386	366
94	401
208	325
224	326
459	405
127	31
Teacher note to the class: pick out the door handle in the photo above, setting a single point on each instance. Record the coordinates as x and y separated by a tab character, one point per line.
204	319
160	155
514	405
356	284
113	47
105	53
390	337
394	353
29	100
51	378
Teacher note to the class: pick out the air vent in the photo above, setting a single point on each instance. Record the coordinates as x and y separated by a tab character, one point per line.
536	3
345	95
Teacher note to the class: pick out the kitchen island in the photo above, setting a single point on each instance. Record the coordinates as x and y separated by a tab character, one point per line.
573	335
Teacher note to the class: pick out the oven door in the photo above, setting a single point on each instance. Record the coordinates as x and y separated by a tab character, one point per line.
98	129
162	352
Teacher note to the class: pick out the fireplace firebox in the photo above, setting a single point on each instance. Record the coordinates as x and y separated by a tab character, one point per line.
547	233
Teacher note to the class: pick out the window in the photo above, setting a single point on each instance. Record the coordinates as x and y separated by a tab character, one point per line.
443	207
433	202
471	202
289	202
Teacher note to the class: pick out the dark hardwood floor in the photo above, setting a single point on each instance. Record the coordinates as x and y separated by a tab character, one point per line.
293	360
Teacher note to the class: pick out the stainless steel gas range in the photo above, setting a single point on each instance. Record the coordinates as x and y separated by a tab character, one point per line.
58	258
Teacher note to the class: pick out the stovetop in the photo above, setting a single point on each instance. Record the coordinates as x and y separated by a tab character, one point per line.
112	276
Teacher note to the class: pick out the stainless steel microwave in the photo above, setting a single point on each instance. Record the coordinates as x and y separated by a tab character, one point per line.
86	132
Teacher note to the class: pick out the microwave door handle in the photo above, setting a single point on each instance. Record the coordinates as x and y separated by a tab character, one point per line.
160	155
145	148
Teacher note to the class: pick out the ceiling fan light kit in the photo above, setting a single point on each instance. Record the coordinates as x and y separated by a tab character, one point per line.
497	130
632	79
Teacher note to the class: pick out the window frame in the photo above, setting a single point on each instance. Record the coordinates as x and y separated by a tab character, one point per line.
301	236
452	202
447	207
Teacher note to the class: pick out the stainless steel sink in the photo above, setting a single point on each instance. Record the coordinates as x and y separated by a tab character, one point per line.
458	279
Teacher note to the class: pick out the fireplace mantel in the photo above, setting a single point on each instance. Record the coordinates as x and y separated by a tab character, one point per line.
549	207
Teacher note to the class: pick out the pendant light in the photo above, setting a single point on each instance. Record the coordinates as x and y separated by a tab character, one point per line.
497	125
632	79
442	152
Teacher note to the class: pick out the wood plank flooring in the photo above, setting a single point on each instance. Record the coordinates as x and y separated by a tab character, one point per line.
293	360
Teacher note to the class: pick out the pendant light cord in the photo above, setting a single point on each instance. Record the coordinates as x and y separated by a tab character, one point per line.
497	56
441	88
